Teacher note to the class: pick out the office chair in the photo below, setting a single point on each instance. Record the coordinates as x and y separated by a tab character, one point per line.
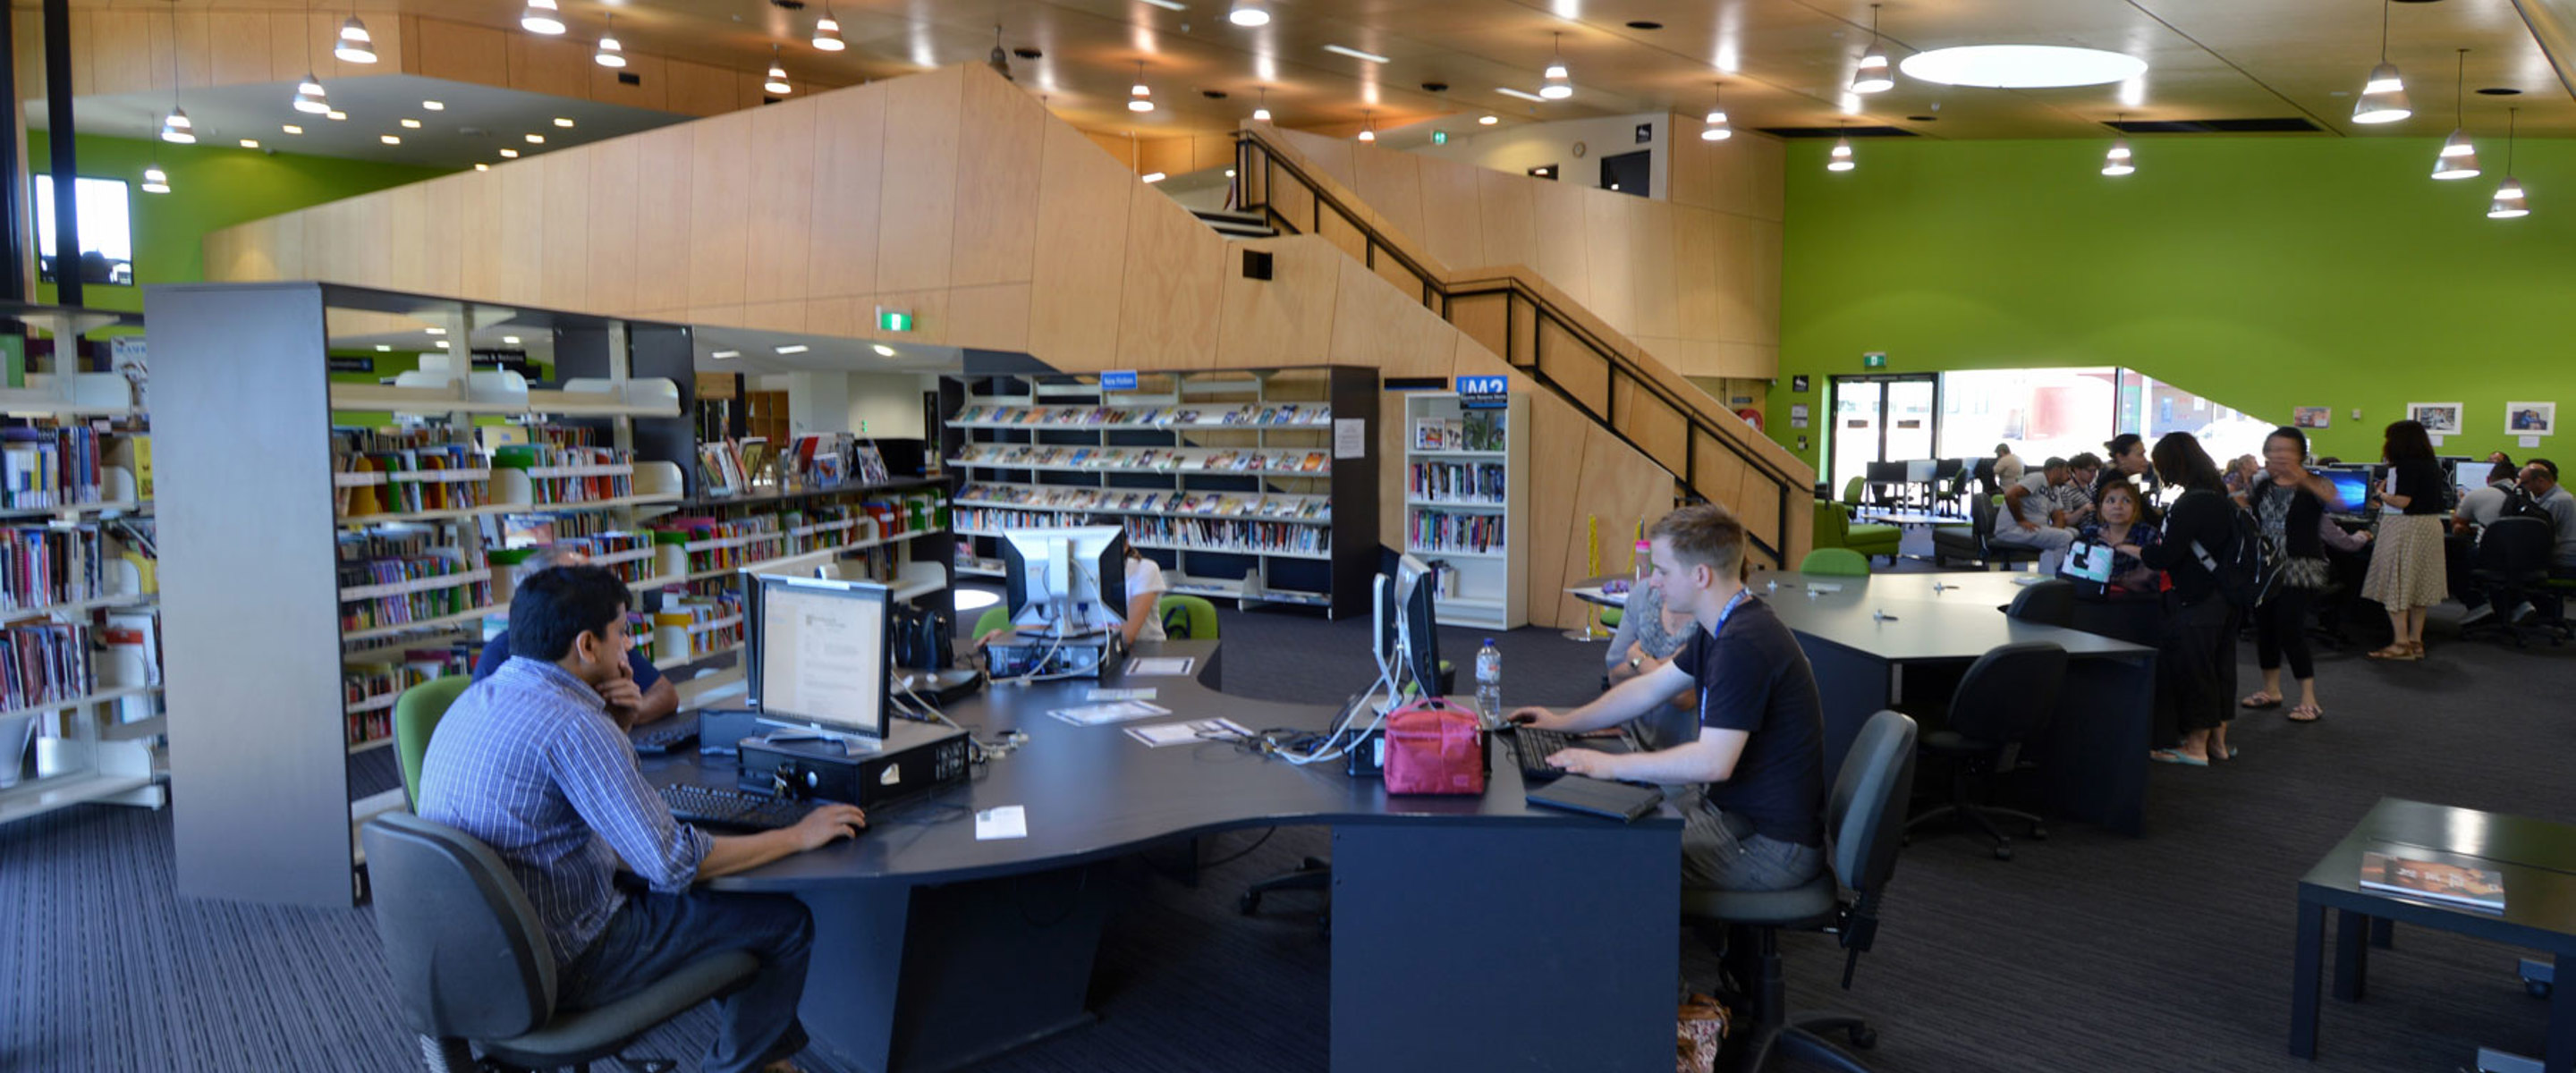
2512	562
1191	617
2006	699
1852	491
993	618
1949	481
1876	778
470	967
1837	562
1973	541
416	716
2047	603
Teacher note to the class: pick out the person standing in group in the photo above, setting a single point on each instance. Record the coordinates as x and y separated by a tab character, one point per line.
2008	466
2289	504
2406	573
2129	462
2245	471
2196	655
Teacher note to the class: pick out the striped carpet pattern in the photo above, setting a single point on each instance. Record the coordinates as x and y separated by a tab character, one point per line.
2086	952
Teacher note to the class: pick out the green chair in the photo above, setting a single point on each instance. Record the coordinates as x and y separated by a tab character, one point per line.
416	716
1611	617
1191	617
994	618
1837	562
1834	528
1852	490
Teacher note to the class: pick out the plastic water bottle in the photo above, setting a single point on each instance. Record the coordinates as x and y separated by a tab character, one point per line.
1643	562
1489	681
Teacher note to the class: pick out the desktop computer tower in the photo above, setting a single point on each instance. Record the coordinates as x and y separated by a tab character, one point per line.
914	758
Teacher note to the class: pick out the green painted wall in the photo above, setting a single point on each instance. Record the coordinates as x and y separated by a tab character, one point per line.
211	187
2264	273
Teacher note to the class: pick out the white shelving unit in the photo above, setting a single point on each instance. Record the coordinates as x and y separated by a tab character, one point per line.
1466	505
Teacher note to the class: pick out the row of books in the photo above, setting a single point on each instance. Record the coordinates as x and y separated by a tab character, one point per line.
44	664
1439	531
539	530
365	684
722	466
617	480
610	544
1456	482
711	622
1158	459
136	634
42	567
1475	430
408	496
1222	504
1307	413
1239	537
44	468
385	558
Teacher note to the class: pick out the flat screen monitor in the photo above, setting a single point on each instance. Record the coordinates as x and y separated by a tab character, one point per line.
1067	581
2352	486
1412	616
819	656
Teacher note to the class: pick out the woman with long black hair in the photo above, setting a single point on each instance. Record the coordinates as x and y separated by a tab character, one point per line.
2407	575
2196	654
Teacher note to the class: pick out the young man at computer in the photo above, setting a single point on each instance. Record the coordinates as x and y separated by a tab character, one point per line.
1758	821
644	697
531	762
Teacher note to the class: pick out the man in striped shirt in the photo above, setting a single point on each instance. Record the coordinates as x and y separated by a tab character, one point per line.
531	762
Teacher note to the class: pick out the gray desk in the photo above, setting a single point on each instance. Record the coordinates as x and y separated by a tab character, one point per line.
934	950
2536	857
2096	750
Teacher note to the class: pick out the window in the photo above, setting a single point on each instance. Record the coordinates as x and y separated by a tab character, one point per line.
106	231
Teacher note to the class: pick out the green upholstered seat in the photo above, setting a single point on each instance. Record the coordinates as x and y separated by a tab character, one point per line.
1192	617
1839	561
416	716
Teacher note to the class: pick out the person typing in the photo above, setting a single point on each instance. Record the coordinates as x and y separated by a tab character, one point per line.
532	762
1757	820
646	697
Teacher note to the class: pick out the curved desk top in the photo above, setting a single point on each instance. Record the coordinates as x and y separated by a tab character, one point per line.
1093	792
1960	621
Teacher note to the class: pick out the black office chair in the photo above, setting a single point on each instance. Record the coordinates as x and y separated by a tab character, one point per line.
1973	541
1984	473
2512	564
2045	603
1876	778
1887	483
470	967
2006	699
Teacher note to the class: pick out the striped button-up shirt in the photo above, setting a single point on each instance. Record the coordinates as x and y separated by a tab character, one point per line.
530	762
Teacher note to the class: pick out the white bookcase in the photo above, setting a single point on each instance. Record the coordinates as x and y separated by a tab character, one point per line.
1466	505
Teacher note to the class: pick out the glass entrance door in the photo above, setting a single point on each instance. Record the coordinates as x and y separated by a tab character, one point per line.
1882	419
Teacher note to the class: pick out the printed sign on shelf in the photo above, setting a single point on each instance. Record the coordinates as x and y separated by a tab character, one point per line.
1484	392
1118	380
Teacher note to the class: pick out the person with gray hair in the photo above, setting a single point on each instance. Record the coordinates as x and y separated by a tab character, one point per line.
653	699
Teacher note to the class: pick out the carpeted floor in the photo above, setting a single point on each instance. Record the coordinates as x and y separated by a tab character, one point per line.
2087	952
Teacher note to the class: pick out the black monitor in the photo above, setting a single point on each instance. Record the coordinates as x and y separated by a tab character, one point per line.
1409	614
819	654
1068	581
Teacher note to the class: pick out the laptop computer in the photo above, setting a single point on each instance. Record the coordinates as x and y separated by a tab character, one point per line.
1594	797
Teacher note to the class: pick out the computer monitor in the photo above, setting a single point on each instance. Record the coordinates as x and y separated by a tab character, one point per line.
2352	486
819	653
1409	612
1068	581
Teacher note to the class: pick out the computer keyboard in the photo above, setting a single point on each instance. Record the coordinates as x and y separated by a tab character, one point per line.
665	736
693	803
1534	746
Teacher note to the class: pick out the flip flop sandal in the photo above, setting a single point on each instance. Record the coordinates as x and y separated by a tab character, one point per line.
2267	702
2314	713
2169	756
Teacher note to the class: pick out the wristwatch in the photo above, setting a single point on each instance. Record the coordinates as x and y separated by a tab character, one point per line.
1635	662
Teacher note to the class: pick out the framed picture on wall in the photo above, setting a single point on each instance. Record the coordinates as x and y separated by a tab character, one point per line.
2311	417
2530	418
1797	383
2438	418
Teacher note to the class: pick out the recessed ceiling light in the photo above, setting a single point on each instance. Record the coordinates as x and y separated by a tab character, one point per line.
2022	66
2500	91
384	349
563	121
794	348
413	124
1248	13
435	331
536	139
335	114
435	106
1488	120
445	345
1169	5
510	339
726	354
481	166
510	153
1341	50
293	129
390	139
250	143
1155	176
1510	92
883	351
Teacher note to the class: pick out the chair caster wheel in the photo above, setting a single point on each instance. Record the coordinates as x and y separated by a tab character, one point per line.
2038	833
2003	853
2536	988
1250	904
1864	1037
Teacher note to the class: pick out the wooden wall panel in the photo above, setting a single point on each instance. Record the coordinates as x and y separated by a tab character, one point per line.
611	216
917	203
1079	274
1563	358
462	53
1693	177
1609	241
407	227
1122	148
1695	300
1168	309
1003	131
1327	156
566	242
1483	319
237	46
652	91
442	259
1508	207
1652	268
1376	324
1652	425
930	309
1555	481
1563	253
788	316
849	153
523	230
120	51
1283	320
1390	182
1452	214
990	317
556	66
1171	156
1342	232
780	268
720	196
698	89
662	198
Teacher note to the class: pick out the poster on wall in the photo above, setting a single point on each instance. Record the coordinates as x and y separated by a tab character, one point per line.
1798	383
2531	418
2311	417
2438	418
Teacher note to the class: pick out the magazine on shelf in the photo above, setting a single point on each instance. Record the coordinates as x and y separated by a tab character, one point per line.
2422	873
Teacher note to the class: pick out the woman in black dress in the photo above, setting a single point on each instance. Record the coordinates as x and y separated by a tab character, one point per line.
2196	655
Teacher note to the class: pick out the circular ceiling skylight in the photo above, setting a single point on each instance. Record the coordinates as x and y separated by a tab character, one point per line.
2021	66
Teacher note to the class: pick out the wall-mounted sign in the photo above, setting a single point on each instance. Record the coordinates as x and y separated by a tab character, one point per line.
1484	392
346	363
894	320
1439	137
1798	383
1645	133
1875	359
1118	380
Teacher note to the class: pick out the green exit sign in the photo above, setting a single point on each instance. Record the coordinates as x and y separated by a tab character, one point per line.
894	320
1875	359
1439	137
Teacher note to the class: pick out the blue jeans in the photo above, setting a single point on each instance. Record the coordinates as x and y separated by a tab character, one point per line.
653	935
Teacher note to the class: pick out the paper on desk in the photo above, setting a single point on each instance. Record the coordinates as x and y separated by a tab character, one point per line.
1195	730
1120	694
1160	666
1006	821
1120	711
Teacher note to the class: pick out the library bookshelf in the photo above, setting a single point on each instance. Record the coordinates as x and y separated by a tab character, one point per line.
1466	505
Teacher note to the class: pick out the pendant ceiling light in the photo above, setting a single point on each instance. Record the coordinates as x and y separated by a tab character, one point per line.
610	52
1249	13
155	181
355	45
1140	98
999	60
1261	111
827	34
309	98
2459	159
1559	85
1873	75
1841	158
1368	132
2383	98
2117	161
2508	202
176	127
542	17
777	75
1717	130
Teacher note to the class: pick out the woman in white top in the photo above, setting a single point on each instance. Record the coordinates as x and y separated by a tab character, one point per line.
1145	589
